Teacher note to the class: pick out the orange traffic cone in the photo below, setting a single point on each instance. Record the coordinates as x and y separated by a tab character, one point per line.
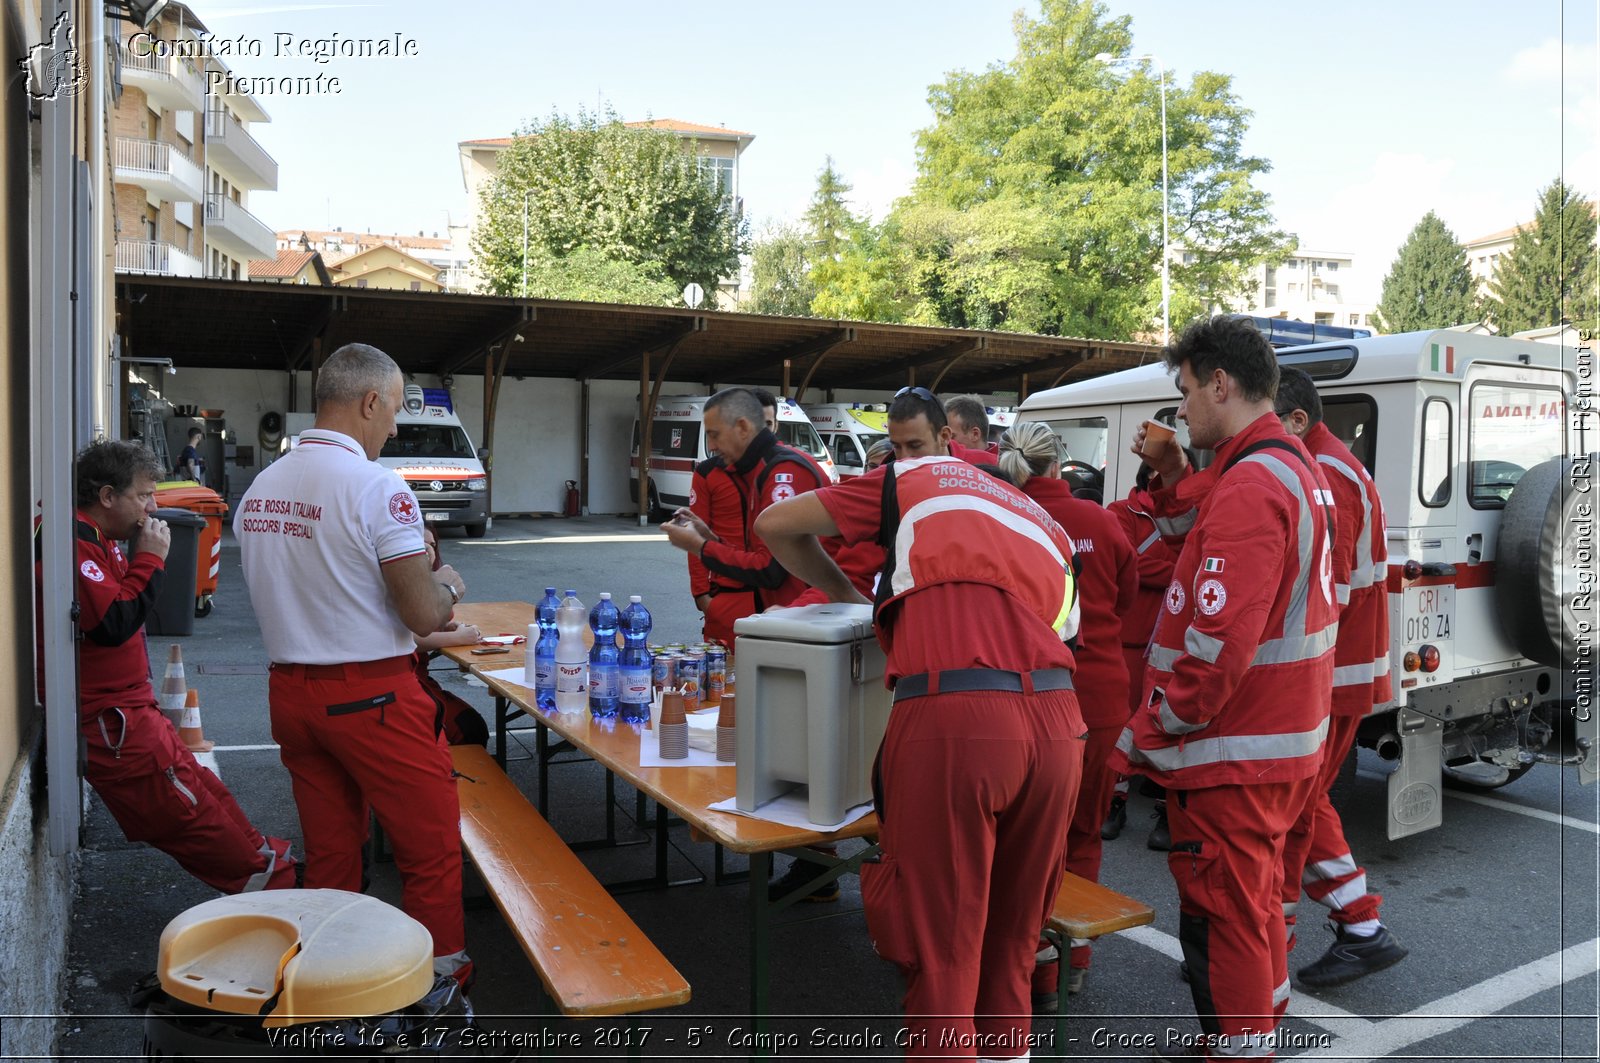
189	732
173	687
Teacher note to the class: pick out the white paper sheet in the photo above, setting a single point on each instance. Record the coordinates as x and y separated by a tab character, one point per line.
502	640
793	810
515	676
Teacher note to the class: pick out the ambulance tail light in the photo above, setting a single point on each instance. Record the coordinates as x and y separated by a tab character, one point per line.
1430	658
1412	661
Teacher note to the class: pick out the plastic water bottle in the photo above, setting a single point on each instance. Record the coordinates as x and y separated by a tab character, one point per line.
572	664
636	685
605	676
544	650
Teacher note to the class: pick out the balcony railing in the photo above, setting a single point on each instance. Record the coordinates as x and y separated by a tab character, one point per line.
159	167
239	153
155	256
170	81
237	231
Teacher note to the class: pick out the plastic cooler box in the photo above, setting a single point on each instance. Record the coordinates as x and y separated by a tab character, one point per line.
206	503
812	706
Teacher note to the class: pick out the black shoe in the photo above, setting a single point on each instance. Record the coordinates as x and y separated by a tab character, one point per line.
1351	957
1148	787
1116	818
1160	835
1183	970
800	872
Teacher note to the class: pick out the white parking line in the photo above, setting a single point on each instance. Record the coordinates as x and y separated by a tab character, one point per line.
1487	998
1506	806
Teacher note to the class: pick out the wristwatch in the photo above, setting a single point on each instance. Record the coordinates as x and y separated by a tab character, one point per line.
455	596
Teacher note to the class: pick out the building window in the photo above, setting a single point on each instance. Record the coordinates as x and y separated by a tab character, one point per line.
1355	319
718	172
361	282
416	286
1333	267
1324	317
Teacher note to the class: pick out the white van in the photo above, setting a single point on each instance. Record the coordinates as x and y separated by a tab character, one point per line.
848	429
677	438
1000	418
1487	489
433	453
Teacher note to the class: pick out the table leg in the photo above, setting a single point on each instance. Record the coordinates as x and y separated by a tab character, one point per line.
502	706
760	938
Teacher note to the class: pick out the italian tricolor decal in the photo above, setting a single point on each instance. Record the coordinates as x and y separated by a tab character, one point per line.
1449	360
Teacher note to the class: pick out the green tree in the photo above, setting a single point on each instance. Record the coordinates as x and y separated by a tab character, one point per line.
866	282
1550	274
587	275
629	195
1429	285
1038	201
780	273
828	220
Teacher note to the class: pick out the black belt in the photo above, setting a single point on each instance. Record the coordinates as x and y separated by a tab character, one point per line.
716	589
963	680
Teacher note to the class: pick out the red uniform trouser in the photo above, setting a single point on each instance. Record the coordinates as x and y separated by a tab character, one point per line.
1134	657
1316	856
1083	837
362	739
975	791
158	793
1227	860
722	610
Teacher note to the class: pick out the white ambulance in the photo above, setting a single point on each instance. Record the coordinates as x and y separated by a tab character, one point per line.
848	430
432	451
1487	485
677	437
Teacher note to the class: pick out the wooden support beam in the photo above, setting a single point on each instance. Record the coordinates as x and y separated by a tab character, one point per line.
647	414
981	343
848	336
494	372
669	337
499	332
316	329
804	349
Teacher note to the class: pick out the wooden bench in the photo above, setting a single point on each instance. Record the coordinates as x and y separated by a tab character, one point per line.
590	956
1087	910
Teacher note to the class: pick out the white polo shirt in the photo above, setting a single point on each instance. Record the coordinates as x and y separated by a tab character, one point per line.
314	530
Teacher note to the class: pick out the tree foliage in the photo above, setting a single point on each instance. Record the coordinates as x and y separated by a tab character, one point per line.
828	220
780	273
1038	201
1429	285
587	275
630	196
1550	274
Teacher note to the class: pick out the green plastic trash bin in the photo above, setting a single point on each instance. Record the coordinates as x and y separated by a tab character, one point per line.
174	610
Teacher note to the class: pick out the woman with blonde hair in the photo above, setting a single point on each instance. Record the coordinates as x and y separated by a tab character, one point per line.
1030	455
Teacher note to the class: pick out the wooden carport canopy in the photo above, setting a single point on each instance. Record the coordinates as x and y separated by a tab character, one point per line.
221	324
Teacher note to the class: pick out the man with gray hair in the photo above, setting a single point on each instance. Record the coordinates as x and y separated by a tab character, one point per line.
969	425
339	576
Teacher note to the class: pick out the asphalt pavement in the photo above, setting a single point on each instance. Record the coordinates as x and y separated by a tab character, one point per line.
1498	906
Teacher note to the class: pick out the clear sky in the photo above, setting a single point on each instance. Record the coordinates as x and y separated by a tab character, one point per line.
1370	111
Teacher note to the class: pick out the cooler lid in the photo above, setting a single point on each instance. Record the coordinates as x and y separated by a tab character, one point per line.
323	954
830	623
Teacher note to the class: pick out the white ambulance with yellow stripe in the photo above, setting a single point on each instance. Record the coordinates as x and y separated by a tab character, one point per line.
1483	452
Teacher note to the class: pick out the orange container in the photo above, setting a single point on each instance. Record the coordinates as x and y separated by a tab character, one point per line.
206	503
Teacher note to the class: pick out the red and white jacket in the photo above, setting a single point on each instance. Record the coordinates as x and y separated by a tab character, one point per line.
717	498
1360	568
1026	553
1240	669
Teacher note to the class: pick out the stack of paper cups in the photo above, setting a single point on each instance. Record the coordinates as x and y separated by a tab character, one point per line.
673	734
174	687
727	730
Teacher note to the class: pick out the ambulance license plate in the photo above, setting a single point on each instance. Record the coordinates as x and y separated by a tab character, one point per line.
1429	614
436	515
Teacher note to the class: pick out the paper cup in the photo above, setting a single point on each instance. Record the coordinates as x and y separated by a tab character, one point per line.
1156	437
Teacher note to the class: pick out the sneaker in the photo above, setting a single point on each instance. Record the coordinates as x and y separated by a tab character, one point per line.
1160	835
800	872
1046	969
1116	818
1351	957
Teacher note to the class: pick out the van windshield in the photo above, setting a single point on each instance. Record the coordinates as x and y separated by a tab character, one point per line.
801	436
428	441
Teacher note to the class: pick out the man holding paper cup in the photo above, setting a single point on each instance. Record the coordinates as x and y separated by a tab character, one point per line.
1238	689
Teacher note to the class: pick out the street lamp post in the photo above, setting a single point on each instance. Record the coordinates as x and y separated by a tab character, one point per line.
1166	277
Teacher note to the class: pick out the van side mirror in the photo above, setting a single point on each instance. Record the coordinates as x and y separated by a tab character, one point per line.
483	453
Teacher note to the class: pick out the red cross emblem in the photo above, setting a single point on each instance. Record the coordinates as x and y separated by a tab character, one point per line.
403	508
1213	596
1175	598
92	571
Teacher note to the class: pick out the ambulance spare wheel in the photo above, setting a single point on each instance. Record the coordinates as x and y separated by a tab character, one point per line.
1546	564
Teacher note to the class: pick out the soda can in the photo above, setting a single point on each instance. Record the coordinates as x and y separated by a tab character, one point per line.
690	677
663	672
716	674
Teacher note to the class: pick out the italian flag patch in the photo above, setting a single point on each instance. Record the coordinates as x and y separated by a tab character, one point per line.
1213	564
